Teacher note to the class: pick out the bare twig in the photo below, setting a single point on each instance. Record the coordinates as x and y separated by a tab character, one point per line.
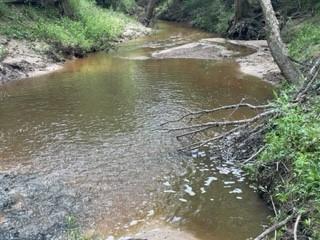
296	224
274	227
273	206
254	155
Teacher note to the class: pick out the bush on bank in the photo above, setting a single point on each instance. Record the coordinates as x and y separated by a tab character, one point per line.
91	29
289	167
305	41
210	15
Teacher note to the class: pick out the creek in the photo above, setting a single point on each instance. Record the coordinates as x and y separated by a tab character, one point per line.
85	142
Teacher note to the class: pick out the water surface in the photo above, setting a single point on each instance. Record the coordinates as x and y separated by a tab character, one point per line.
91	129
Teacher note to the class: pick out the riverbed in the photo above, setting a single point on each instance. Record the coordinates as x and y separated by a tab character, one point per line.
85	142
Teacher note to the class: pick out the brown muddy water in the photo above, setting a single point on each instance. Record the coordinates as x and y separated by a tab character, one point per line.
83	142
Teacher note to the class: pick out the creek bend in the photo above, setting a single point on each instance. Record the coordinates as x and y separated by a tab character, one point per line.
83	142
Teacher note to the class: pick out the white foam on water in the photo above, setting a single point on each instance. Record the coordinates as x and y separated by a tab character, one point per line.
210	180
188	189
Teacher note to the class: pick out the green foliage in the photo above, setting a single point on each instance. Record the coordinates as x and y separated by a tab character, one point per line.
291	161
126	6
73	229
92	28
3	52
305	41
210	15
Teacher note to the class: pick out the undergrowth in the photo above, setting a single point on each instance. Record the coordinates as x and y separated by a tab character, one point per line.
289	167
305	41
212	16
92	28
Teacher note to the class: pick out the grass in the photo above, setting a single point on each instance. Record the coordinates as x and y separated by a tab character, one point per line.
289	167
92	28
305	41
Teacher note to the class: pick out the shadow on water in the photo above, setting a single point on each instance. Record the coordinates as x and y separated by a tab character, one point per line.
90	130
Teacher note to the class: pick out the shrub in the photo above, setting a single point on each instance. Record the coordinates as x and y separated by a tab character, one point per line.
91	28
305	41
290	164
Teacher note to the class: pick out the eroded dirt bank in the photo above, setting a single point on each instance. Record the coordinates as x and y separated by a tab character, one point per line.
23	59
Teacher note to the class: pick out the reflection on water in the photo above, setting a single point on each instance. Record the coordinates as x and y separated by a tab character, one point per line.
92	126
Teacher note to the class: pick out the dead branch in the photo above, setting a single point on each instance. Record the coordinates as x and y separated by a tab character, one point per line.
254	155
227	123
312	77
192	132
219	137
273	206
222	108
274	227
296	227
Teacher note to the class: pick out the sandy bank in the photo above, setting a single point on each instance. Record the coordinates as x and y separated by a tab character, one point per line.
258	62
158	231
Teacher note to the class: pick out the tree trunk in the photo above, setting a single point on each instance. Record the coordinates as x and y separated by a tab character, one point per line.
241	9
67	9
150	12
278	49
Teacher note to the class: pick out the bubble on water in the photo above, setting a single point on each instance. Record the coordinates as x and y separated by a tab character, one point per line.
211	199
203	169
167	184
236	190
169	191
223	171
210	180
229	182
176	219
188	189
241	179
150	213
133	223
201	154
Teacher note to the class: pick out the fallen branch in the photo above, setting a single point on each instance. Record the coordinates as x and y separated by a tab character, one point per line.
219	137
222	108
227	123
274	227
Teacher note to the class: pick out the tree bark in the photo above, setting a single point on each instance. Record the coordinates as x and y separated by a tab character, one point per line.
150	12
241	9
67	9
278	49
